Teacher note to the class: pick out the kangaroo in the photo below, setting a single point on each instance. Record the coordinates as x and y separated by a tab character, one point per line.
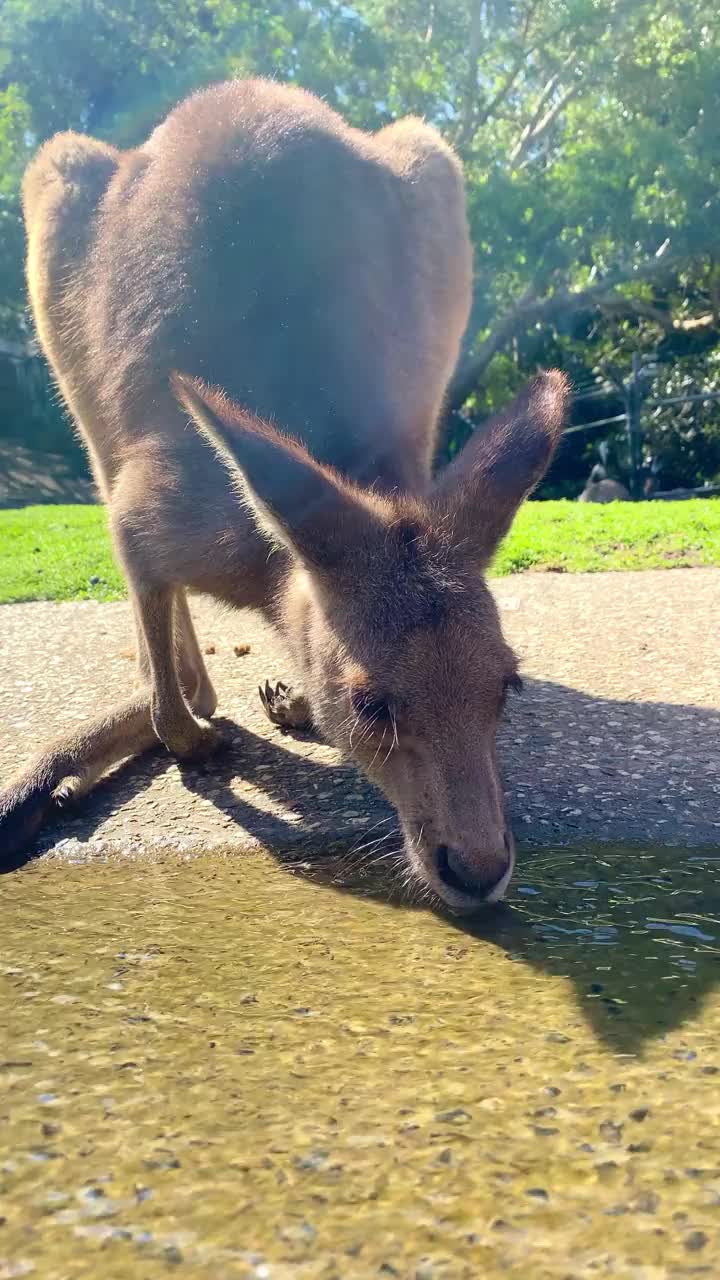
599	488
253	319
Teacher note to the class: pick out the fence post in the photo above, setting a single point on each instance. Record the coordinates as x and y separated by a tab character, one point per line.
633	404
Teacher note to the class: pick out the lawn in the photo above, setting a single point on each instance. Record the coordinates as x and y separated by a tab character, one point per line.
63	552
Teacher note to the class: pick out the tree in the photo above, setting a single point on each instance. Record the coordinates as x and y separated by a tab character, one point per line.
593	188
589	129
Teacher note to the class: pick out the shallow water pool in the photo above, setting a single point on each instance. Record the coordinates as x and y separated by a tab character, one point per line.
213	1067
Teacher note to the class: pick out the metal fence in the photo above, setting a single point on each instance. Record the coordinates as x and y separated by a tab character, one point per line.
635	392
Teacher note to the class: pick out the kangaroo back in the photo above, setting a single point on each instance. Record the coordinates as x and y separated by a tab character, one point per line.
319	274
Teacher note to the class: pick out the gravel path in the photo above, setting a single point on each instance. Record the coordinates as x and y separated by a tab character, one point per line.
615	738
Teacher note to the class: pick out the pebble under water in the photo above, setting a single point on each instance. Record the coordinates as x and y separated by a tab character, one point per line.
213	1067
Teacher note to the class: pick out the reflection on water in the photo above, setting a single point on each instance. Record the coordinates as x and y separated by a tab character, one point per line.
216	1067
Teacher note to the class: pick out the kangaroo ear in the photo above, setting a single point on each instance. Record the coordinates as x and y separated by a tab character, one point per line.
484	485
295	501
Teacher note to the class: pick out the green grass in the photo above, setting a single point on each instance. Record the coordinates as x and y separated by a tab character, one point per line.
63	553
573	537
57	553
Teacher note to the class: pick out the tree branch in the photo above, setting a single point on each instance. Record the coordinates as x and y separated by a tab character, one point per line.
714	290
548	89
469	374
638	307
530	310
532	133
472	119
697	324
467	127
491	107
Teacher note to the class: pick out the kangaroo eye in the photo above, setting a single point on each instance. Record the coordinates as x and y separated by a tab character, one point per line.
373	709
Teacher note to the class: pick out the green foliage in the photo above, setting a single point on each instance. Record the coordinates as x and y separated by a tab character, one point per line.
63	552
14	124
684	440
589	129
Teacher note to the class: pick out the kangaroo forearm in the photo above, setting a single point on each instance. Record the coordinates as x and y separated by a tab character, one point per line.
70	767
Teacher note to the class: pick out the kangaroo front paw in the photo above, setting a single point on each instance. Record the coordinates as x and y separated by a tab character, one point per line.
284	707
204	700
193	740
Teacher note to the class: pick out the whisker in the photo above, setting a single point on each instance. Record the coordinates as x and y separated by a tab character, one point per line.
390	853
371	844
377	750
369	830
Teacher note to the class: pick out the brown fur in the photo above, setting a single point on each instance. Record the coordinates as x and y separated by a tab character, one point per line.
321	277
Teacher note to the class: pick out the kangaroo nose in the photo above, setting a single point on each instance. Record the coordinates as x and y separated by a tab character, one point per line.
477	875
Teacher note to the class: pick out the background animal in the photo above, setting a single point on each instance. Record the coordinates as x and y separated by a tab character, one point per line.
601	489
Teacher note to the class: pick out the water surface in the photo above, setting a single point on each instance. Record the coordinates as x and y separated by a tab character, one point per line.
215	1068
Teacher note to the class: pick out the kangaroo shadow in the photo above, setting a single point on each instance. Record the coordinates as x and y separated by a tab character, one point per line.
302	790
617	881
632	928
635	929
615	805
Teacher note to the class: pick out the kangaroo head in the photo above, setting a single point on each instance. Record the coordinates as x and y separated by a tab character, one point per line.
392	626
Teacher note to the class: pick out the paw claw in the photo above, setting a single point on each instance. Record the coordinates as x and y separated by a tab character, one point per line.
283	707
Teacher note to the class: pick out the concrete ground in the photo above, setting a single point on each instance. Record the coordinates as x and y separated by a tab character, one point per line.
614	739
